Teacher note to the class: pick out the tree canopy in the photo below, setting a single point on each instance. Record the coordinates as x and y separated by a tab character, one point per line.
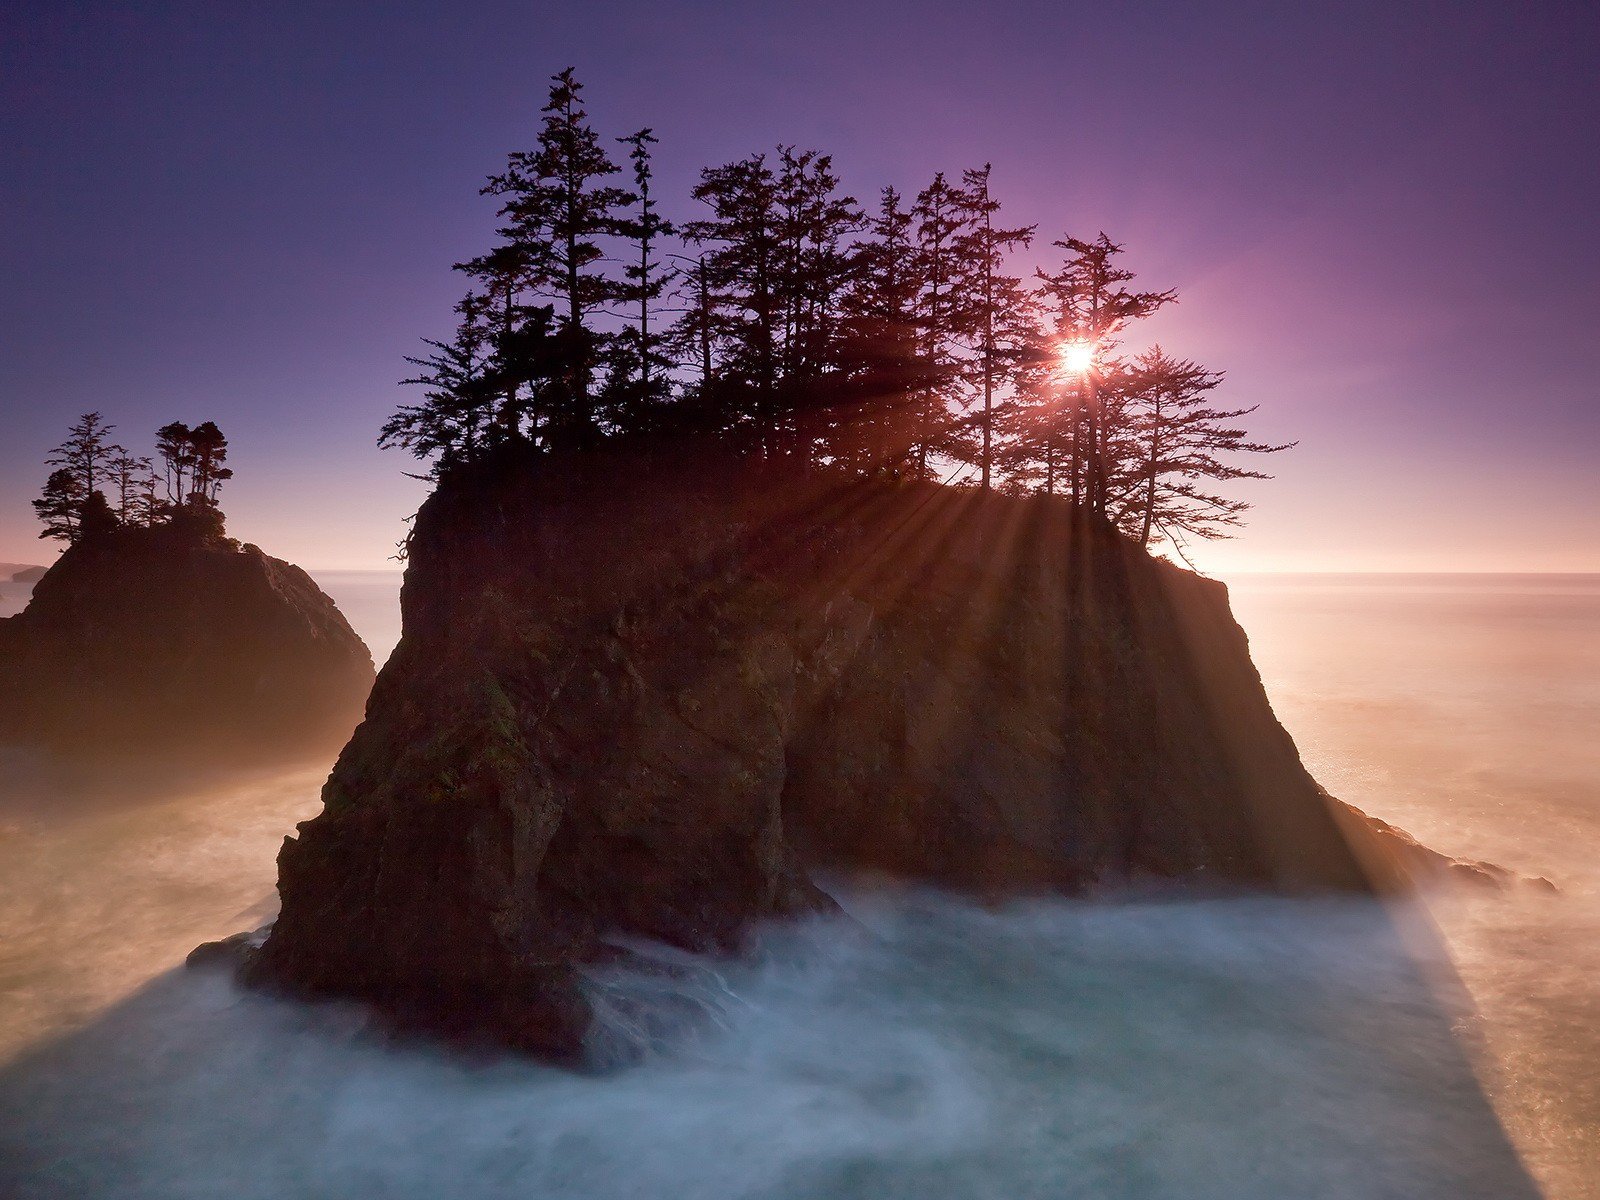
899	342
97	486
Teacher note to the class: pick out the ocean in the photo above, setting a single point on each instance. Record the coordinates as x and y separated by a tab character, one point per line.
1232	1048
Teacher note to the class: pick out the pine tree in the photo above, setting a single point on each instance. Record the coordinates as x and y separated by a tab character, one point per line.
459	415
126	477
95	517
59	505
880	352
1003	325
209	451
945	314
1178	439
695	333
555	210
881	349
1037	431
639	385
86	451
1093	308
147	506
496	331
738	294
176	451
815	228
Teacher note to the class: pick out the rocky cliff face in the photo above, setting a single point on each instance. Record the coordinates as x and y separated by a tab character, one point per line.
660	699
143	641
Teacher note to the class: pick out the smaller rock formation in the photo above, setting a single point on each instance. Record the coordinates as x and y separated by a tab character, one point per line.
1425	866
149	640
29	575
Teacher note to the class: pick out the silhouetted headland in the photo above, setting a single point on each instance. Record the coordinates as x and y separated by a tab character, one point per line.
661	694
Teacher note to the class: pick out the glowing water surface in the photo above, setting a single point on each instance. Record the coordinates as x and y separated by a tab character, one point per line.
926	1048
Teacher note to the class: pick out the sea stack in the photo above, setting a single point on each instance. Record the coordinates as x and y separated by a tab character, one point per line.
148	639
663	694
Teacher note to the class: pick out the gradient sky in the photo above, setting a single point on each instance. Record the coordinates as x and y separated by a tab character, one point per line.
1381	219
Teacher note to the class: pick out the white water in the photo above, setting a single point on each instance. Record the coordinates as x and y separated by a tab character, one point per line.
1246	1048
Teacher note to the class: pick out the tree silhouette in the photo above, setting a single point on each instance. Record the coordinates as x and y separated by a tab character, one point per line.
638	386
127	477
693	338
209	451
86	451
816	226
59	505
73	506
1041	427
880	352
177	459
96	518
147	506
457	416
1003	322
1179	441
890	346
946	312
1093	307
738	279
555	209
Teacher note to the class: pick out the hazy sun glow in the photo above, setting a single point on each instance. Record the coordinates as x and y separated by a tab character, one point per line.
1077	357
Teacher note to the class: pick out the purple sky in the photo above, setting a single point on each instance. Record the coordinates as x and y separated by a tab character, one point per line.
1383	221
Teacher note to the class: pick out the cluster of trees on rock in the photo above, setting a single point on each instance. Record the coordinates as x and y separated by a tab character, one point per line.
98	485
894	342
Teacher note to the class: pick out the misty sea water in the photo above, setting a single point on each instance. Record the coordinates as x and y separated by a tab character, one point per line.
1246	1047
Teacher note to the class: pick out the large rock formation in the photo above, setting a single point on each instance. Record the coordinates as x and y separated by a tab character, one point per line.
145	640
658	697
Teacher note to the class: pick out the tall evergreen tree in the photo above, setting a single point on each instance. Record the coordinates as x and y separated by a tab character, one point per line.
880	353
881	348
86	451
126	477
696	331
176	451
1179	440
209	449
1003	325
815	228
96	517
739	282
775	263
463	407
59	505
945	313
1094	307
146	508
556	208
639	384
1039	428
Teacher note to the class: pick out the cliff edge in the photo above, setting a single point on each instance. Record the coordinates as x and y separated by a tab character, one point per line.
659	696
